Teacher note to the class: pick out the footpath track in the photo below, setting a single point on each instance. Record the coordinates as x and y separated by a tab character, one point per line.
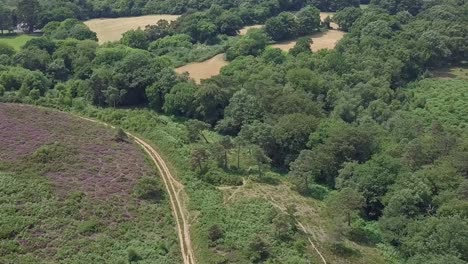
175	190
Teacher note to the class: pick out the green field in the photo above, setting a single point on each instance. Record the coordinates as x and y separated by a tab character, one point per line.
16	41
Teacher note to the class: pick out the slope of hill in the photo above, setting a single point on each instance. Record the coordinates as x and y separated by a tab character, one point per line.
74	192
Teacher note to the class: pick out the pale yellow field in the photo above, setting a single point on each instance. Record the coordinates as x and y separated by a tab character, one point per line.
324	15
111	29
322	40
244	30
204	70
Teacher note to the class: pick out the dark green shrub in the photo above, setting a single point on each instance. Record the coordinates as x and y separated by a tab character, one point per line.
341	249
88	227
149	189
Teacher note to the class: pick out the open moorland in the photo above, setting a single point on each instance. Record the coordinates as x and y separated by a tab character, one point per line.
90	187
111	29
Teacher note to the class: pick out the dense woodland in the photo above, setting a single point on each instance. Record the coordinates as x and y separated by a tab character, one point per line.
363	120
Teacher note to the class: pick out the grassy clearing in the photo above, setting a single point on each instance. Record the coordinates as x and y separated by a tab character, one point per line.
16	41
65	198
459	72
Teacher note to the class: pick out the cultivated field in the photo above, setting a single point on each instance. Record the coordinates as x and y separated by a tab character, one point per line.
16	41
204	70
72	193
111	29
244	30
324	15
322	40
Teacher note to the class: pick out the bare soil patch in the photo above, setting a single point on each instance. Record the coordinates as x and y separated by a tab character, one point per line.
244	30
322	40
100	167
324	15
111	29
204	70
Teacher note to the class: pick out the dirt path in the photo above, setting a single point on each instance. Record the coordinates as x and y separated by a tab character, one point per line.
175	190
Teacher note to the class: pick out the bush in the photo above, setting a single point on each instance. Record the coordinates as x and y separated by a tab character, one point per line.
133	256
215	233
366	233
6	49
120	135
149	189
50	153
217	177
318	192
88	227
341	249
258	249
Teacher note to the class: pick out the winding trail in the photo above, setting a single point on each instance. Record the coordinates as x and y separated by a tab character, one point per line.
175	190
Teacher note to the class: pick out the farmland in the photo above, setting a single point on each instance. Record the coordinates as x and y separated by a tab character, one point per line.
322	40
111	29
204	70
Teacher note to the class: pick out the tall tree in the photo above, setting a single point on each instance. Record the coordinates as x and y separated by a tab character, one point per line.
5	19
28	13
345	203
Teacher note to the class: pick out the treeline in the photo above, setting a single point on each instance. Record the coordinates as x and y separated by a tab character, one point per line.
34	14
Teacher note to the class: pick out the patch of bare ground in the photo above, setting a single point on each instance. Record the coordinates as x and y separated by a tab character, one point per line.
322	40
92	161
324	15
244	30
455	72
204	70
111	29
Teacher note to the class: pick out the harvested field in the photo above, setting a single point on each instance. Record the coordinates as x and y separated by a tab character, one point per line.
90	160
322	40
111	29
324	15
204	70
244	30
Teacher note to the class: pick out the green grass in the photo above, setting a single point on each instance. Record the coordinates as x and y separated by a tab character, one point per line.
16	41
